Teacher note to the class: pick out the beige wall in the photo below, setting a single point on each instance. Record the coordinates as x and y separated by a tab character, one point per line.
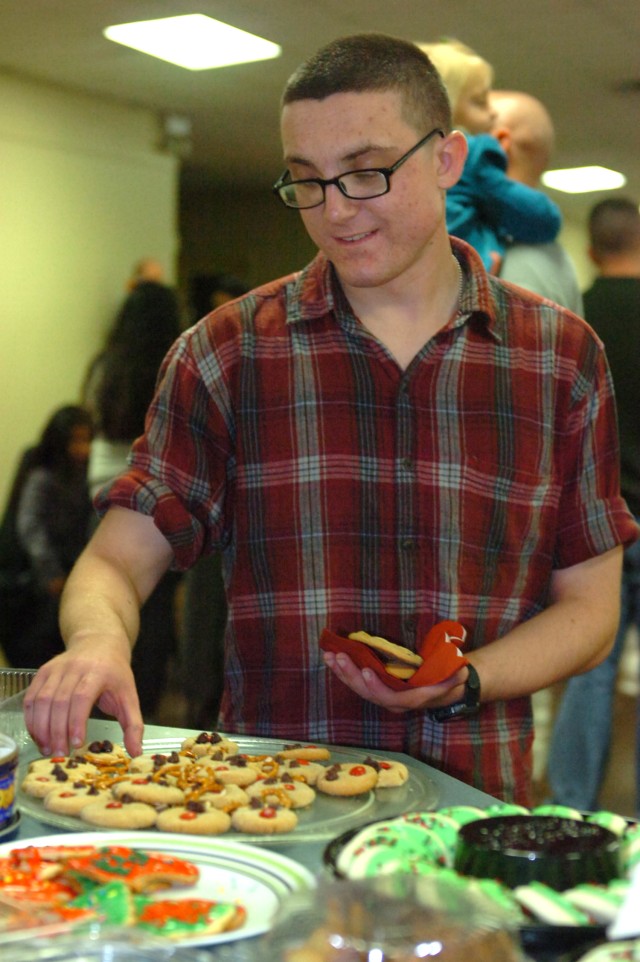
574	238
84	193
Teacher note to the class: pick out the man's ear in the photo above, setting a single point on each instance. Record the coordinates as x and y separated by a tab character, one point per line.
595	259
451	159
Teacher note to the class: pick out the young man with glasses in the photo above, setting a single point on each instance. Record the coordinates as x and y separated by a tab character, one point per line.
385	440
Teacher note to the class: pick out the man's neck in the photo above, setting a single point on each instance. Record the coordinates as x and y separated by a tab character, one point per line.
623	266
404	320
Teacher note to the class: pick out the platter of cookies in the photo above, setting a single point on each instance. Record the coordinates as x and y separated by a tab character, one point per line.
187	890
261	790
557	874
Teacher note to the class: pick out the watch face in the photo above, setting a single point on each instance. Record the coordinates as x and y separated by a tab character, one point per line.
458	710
462	708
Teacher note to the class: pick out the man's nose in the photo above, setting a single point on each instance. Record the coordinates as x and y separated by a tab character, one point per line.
337	204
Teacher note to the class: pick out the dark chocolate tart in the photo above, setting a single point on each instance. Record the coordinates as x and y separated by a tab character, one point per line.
518	849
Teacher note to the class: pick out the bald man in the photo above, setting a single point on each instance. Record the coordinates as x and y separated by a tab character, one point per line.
525	130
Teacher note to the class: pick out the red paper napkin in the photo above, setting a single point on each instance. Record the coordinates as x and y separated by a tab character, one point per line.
440	651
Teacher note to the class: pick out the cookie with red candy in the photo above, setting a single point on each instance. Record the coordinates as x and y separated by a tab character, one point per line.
258	818
347	779
195	818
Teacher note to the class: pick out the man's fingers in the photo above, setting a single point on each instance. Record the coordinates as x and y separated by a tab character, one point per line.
62	695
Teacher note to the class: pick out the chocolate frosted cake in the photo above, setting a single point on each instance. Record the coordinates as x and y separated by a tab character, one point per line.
519	849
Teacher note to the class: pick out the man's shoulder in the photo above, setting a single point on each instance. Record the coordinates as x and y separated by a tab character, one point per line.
522	310
266	310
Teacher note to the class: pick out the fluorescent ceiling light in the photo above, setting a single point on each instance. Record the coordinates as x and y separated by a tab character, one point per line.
583	180
193	41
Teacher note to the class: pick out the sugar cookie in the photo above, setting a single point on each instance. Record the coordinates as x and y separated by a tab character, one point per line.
282	790
144	788
111	813
70	800
396	653
194	818
347	779
312	753
260	819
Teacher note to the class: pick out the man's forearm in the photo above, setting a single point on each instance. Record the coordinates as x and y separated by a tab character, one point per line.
99	602
111	580
575	633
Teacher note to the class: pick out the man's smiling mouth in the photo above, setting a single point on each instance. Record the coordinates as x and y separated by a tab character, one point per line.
355	237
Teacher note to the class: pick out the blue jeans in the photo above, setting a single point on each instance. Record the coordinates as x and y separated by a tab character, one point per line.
582	731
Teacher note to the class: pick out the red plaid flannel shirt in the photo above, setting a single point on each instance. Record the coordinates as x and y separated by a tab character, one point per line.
347	493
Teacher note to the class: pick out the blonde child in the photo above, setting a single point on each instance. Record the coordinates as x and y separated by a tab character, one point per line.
486	208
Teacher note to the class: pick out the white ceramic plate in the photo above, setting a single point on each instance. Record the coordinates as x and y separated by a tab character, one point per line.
257	879
327	817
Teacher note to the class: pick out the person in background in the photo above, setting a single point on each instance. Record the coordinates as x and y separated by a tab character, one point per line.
582	732
147	269
47	520
204	610
524	129
208	291
387	439
118	388
486	208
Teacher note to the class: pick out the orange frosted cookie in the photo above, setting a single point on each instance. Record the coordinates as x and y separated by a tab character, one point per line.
185	918
142	871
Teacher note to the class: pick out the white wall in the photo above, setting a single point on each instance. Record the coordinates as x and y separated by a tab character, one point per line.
84	194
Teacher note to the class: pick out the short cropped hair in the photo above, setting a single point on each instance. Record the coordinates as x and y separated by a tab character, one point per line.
614	227
375	62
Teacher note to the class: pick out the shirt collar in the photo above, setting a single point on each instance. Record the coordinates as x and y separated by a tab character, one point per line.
316	292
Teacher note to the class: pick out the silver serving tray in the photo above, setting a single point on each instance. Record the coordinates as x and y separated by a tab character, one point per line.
327	817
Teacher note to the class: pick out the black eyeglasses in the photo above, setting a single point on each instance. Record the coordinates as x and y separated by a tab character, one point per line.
355	184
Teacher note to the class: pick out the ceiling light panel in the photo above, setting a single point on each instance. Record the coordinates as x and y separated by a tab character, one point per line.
193	41
583	180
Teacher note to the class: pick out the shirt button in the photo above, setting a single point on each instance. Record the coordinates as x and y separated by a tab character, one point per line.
407	464
408	544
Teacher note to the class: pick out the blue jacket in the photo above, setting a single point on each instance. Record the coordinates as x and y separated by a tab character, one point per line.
489	210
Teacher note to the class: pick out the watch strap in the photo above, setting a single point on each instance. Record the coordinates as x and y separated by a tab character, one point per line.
468	705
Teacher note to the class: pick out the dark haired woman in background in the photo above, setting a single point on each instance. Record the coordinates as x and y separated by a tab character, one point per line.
44	529
118	390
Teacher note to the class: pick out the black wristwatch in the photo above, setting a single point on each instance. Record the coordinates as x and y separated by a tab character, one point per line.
469	705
